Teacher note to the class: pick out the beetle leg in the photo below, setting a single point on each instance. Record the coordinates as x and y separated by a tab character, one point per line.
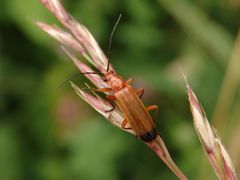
140	92
112	108
153	107
129	81
111	97
124	123
103	90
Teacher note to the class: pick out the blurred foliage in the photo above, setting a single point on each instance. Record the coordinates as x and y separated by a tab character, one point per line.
50	133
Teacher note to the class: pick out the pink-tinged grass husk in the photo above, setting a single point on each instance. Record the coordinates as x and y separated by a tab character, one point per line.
80	32
101	105
78	39
212	145
159	147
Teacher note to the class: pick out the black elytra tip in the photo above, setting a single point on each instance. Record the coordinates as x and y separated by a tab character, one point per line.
149	136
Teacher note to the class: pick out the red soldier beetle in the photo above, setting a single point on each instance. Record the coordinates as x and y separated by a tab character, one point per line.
128	101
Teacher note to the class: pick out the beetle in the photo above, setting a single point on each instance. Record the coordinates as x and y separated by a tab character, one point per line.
129	102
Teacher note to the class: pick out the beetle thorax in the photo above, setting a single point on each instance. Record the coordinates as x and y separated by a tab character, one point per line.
115	81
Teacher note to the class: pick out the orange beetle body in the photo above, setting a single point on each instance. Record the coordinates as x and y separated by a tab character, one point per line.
134	111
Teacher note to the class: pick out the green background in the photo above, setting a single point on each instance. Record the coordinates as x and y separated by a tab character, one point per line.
50	133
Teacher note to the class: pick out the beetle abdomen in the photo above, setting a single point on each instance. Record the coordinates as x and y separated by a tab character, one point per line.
136	113
149	136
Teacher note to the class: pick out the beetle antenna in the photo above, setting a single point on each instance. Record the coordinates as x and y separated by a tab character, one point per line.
110	41
76	75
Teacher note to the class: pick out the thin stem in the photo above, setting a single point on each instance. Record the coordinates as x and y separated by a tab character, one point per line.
228	88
